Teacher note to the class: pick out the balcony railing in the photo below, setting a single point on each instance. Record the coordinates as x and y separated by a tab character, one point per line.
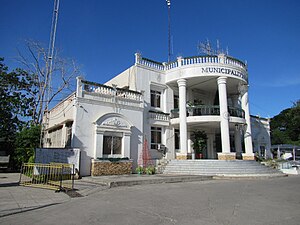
208	110
206	60
104	93
182	61
159	116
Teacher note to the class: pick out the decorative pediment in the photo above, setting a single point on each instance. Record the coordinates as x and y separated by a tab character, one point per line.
113	121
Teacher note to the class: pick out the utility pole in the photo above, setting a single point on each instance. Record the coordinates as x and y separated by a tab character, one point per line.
169	29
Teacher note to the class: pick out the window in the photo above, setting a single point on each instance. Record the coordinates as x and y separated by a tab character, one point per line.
176	101
155	137
262	150
155	98
55	138
68	134
112	145
177	139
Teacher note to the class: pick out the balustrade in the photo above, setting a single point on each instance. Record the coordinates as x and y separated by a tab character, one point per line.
112	94
206	110
190	61
159	116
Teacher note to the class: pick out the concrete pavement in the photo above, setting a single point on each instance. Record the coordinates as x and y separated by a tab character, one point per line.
15	198
218	202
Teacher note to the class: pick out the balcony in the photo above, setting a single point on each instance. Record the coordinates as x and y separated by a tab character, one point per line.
159	118
208	110
107	94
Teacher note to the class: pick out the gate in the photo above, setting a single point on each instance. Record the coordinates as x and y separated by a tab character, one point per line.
56	176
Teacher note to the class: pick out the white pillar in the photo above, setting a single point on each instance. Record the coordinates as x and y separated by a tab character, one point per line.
189	142
78	87
98	148
224	124
249	155
182	116
126	145
224	114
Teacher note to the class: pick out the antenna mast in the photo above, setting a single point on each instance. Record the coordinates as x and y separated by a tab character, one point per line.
51	49
169	29
49	66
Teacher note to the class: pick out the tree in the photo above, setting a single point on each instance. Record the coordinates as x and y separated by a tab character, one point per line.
285	127
53	79
27	140
16	102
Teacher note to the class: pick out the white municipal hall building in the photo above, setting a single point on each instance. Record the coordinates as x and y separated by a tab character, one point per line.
163	103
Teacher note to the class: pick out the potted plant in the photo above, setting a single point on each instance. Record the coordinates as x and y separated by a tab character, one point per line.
199	143
139	170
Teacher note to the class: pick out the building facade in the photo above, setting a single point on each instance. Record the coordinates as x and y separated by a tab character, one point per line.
165	104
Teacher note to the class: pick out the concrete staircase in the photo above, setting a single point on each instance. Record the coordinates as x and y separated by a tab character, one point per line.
232	168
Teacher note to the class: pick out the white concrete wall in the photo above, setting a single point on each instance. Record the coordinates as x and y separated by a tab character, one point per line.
124	79
261	134
62	111
85	129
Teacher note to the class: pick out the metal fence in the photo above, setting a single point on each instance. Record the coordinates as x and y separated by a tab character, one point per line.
56	176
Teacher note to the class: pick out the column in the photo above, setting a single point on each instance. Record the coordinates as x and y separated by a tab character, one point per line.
78	87
189	143
210	146
98	148
248	155
224	124
182	117
126	144
238	141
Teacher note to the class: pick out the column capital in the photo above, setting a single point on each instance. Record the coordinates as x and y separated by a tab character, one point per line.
243	88
222	80
181	82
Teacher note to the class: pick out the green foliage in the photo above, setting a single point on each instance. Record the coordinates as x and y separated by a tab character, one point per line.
285	127
26	142
140	170
199	141
16	102
150	170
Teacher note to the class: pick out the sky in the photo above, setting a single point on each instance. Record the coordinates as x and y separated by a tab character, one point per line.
102	37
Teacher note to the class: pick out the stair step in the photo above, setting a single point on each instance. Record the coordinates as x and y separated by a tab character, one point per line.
217	167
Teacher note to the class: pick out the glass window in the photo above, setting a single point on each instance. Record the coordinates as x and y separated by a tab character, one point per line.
155	137
177	139
55	138
155	98
176	101
112	145
68	134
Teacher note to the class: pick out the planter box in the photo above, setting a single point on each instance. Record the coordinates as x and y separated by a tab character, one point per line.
106	167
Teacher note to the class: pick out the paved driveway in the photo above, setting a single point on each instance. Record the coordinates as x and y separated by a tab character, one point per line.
243	202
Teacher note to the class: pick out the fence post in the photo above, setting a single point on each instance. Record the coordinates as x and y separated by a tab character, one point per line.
20	179
73	174
61	173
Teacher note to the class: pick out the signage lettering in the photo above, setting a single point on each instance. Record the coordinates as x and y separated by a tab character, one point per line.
223	71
